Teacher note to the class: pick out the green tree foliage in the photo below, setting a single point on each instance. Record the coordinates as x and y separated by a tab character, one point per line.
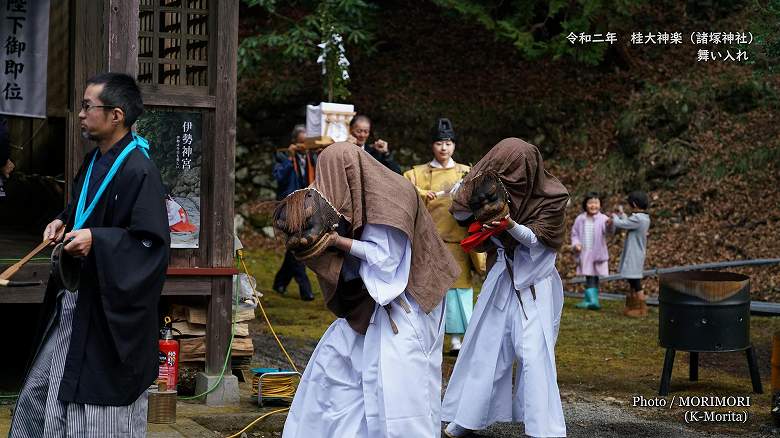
538	28
292	33
766	30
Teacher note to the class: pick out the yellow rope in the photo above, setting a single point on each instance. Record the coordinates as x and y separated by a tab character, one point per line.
273	386
249	426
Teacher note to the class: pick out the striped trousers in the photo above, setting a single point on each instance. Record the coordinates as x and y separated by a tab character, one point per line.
39	413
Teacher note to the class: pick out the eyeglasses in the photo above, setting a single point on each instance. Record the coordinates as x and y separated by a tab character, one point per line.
86	106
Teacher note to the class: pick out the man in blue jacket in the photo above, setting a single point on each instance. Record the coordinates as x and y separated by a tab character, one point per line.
293	171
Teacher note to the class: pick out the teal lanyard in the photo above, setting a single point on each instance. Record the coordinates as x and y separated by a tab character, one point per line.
81	214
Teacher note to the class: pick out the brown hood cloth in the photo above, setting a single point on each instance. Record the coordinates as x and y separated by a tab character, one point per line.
363	191
536	198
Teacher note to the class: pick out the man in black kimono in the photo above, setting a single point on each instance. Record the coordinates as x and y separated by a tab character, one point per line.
97	346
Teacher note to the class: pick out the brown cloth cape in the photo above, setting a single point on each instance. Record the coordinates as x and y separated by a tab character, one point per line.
537	199
365	192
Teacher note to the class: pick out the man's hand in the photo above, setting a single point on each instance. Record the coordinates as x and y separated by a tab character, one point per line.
494	224
577	248
431	196
381	146
81	244
339	242
54	231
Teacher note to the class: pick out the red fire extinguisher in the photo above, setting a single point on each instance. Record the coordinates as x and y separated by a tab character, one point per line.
169	355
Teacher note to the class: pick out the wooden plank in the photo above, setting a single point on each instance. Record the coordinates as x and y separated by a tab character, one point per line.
211	272
13	269
189	329
165	96
187	286
241	329
39	271
194	349
57	63
245	315
181	257
178	312
122	41
22	295
206	193
198	315
34	294
219	210
33	271
224	132
219	315
241	345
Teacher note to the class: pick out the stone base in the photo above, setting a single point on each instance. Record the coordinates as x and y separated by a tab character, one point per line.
225	394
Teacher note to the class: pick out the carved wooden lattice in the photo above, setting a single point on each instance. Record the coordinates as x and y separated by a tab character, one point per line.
173	39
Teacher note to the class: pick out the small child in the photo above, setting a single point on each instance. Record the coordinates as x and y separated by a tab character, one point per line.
588	239
632	261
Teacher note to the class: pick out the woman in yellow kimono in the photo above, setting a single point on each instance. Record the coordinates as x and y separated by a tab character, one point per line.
434	182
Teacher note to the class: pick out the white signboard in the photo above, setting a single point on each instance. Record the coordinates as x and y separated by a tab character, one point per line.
24	46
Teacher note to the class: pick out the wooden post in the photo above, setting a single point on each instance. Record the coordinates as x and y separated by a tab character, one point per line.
87	60
220	223
123	36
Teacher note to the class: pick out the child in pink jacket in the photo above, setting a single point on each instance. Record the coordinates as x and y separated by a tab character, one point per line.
589	241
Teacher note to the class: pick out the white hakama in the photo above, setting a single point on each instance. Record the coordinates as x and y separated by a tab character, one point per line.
480	390
380	384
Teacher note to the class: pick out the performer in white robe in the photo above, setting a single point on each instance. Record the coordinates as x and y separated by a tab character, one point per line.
480	389
381	384
505	329
376	371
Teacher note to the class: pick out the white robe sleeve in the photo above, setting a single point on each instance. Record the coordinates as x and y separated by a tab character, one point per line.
385	255
532	261
524	235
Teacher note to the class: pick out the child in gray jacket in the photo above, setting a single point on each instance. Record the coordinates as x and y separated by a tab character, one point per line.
632	260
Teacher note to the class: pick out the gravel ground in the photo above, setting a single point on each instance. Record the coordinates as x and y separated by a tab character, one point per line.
590	419
586	416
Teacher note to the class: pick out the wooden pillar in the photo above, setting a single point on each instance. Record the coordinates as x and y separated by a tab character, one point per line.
88	58
123	36
223	81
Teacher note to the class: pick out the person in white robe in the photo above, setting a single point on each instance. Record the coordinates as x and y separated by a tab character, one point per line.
376	372
518	313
